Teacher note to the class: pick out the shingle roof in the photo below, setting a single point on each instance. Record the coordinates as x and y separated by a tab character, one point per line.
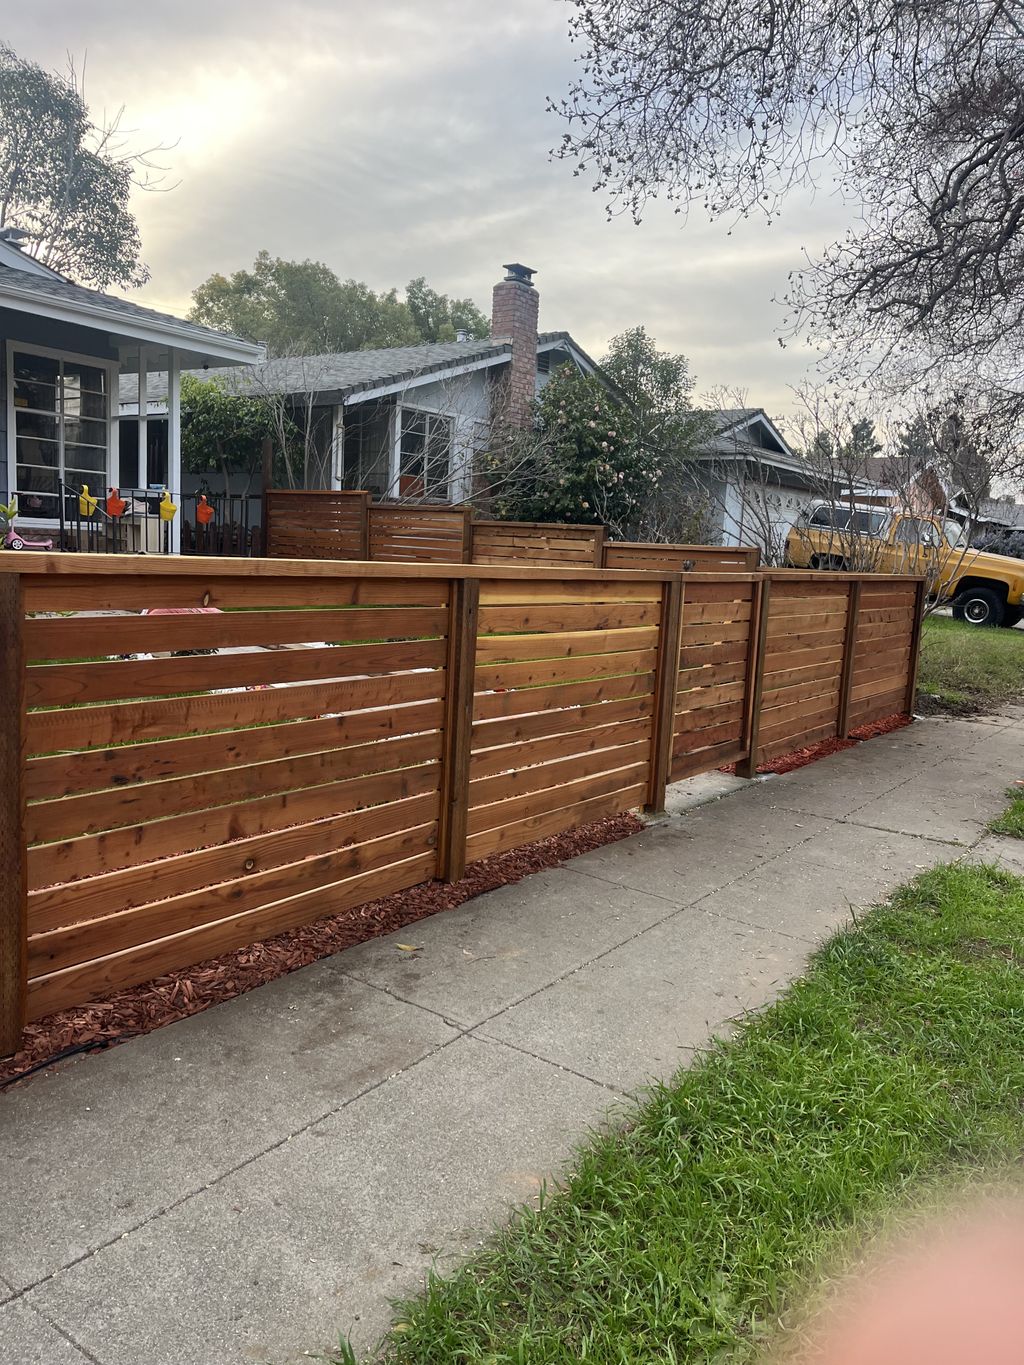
725	419
340	373
62	291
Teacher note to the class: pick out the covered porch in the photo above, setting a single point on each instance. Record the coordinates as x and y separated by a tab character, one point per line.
63	350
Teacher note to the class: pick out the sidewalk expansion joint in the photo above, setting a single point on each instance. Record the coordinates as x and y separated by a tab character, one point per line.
63	1332
548	1061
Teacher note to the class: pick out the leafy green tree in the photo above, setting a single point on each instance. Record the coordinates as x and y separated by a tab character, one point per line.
302	307
438	318
297	307
221	430
659	388
65	180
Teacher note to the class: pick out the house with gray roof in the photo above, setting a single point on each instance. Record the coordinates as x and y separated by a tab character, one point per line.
402	422
65	349
751	483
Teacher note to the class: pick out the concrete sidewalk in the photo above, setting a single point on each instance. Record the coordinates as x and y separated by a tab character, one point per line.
244	1185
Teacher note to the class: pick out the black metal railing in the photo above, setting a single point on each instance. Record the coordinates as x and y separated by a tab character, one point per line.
122	521
222	524
129	521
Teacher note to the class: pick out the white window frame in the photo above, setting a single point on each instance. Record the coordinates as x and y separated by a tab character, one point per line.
438	416
112	368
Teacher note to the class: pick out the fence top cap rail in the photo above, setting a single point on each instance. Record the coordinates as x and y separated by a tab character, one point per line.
717	576
38	563
679	545
840	576
571	526
453	509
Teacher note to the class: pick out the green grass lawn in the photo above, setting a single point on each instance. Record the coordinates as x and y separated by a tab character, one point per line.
1012	819
968	668
687	1235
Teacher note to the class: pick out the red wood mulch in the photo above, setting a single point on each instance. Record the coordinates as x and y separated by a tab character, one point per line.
139	1009
799	758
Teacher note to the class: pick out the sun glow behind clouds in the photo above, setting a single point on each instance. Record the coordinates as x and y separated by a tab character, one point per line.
411	138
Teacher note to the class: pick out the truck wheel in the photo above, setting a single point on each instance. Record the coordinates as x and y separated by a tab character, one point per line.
979	607
1012	616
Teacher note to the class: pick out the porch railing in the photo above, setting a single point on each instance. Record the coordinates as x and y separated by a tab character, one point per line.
222	524
95	525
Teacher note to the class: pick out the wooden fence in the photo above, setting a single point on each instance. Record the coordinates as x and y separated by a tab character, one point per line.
325	524
362	728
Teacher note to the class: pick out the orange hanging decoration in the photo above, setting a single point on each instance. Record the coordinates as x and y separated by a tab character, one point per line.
204	512
115	503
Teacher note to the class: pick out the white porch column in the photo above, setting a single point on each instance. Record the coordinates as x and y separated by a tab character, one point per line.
395	476
113	429
338	447
143	415
174	445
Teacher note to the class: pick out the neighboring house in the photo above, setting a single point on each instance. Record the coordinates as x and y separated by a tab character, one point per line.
65	349
406	421
752	484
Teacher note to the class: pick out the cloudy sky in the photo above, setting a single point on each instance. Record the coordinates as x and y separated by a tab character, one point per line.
409	137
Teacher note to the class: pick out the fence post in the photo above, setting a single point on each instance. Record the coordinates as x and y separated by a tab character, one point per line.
364	527
467	535
13	882
599	546
849	652
915	647
666	687
463	610
759	613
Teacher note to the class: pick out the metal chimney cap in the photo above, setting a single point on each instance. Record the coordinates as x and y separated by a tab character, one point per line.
463	334
519	274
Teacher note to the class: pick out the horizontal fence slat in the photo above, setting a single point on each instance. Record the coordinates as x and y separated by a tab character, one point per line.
569	617
77	637
560	720
131	846
70	816
91	727
58	990
525	831
68	774
576	742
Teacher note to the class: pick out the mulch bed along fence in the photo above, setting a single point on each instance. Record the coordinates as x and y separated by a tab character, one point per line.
140	1009
305	738
810	753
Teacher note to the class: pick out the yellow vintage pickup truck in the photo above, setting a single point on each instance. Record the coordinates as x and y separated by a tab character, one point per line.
985	589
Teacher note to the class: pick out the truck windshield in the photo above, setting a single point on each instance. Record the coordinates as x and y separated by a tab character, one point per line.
956	535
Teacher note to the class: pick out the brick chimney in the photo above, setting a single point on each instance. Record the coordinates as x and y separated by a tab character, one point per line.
514	308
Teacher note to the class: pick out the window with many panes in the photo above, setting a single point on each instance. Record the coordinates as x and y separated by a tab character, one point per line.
60	428
426	454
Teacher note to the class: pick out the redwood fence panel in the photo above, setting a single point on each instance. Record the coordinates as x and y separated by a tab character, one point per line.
322	524
715	680
421	534
315	524
564	704
361	728
536	542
